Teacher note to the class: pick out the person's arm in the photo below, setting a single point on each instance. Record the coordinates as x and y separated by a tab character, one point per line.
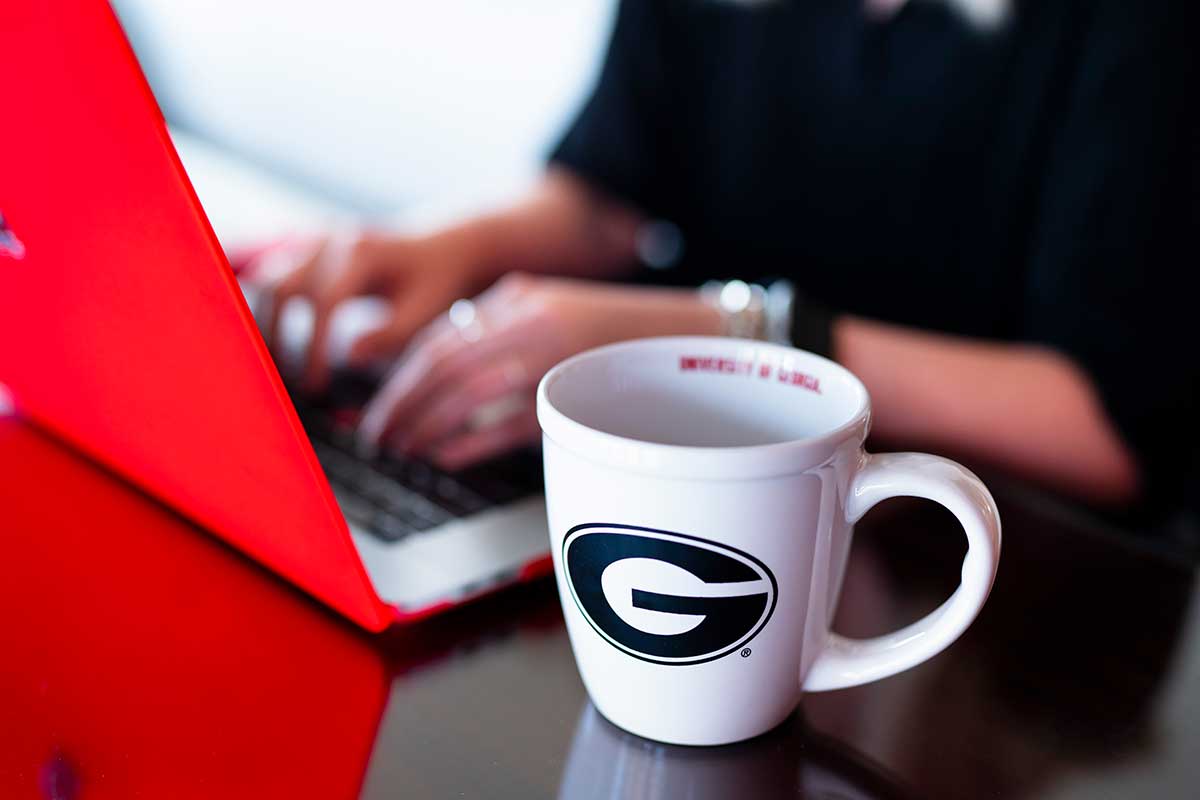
562	226
1023	408
1091	403
1027	409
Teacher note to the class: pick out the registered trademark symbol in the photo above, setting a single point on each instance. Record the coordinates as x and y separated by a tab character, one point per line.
746	652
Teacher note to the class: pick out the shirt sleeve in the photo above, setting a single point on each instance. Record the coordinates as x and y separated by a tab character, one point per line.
612	143
1113	243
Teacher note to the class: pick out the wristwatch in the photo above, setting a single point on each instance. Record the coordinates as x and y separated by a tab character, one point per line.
751	311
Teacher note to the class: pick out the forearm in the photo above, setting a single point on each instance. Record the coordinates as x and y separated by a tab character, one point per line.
1026	409
562	227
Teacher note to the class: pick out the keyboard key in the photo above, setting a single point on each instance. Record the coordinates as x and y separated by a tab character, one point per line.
418	476
494	489
421	509
381	489
422	522
338	466
390	527
457	498
355	508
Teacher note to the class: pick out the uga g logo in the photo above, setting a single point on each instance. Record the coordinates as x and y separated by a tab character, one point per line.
664	597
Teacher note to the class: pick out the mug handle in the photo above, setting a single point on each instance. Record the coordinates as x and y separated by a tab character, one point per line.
849	662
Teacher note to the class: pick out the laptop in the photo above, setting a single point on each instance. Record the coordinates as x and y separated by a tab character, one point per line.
124	332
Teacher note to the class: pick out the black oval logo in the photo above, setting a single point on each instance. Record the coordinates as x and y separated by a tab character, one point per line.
668	598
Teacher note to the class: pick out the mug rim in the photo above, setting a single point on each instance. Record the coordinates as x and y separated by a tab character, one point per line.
693	461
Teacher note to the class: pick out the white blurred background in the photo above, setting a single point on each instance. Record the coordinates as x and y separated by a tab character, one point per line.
291	114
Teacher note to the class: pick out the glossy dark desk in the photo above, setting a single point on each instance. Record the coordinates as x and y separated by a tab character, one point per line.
141	658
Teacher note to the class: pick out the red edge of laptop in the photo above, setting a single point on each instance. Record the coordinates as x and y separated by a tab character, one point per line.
124	332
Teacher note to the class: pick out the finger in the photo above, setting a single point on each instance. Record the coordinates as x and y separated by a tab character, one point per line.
292	282
316	359
498	302
457	405
292	285
434	365
346	266
390	403
410	313
510	288
470	448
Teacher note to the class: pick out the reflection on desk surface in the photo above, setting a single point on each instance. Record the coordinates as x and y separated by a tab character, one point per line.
788	762
143	658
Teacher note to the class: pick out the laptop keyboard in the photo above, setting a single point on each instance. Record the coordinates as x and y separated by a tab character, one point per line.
394	497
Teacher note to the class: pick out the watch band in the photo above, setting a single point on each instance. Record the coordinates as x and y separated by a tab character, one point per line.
811	327
778	314
781	296
742	306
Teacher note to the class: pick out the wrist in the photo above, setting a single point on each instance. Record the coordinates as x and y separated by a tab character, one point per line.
696	317
646	311
468	249
686	315
778	314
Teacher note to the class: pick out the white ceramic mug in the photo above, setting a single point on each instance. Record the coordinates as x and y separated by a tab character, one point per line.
701	494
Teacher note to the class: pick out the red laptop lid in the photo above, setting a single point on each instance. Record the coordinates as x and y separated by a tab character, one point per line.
122	328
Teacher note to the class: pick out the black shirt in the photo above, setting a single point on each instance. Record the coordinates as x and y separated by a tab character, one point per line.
1023	183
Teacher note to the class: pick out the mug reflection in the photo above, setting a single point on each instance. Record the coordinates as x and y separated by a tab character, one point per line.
787	762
